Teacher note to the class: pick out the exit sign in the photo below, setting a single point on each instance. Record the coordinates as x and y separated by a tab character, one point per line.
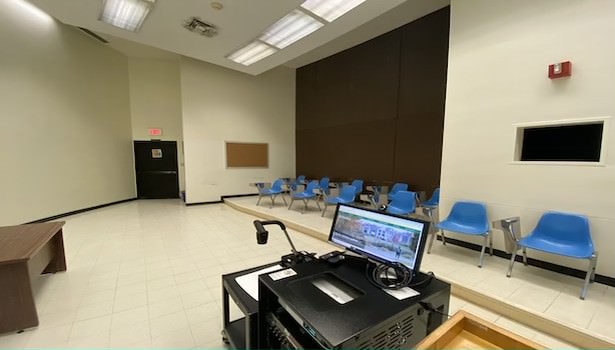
155	131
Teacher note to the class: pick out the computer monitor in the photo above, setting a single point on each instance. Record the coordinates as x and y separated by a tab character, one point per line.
380	235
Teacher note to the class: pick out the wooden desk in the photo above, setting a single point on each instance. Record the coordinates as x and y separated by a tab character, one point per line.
26	251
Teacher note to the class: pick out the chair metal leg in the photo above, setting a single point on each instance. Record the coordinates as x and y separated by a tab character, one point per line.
434	233
490	242
512	261
317	204
443	238
284	199
259	199
272	201
323	210
482	251
588	276
304	205
593	276
292	199
524	257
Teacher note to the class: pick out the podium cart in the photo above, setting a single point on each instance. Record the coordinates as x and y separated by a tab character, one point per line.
241	333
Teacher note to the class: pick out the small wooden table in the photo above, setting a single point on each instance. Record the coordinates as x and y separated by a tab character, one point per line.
26	251
466	331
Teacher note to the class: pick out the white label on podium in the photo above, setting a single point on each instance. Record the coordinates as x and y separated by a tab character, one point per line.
282	274
249	282
402	293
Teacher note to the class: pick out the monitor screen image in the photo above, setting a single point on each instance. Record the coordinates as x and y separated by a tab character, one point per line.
380	235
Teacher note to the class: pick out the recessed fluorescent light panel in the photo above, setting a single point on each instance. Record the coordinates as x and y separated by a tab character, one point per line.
330	9
253	52
290	28
126	14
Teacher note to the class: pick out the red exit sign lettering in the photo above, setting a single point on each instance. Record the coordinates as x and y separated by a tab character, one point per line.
155	131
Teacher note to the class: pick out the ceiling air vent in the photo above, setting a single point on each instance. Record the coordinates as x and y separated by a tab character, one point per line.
194	24
93	35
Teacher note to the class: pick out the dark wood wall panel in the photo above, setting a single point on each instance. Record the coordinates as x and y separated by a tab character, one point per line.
354	115
422	94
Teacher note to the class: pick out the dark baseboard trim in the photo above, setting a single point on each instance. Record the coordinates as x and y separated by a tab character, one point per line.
239	195
79	211
222	199
203	203
610	281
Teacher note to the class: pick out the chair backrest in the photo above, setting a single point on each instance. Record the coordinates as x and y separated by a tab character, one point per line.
405	201
324	185
358	186
398	187
348	193
311	187
564	227
300	179
277	185
435	198
470	213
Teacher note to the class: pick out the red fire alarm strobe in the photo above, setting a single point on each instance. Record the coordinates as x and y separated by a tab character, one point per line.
559	70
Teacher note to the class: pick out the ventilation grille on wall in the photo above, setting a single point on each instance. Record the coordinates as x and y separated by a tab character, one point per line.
93	35
392	337
194	24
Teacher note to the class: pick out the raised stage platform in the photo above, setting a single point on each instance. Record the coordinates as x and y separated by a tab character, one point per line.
541	300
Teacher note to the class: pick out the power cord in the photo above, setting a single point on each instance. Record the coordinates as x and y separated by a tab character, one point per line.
429	307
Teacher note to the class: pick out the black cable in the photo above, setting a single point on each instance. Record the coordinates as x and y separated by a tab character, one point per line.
381	272
425	281
429	307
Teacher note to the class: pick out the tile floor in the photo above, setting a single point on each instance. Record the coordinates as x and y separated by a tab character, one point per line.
146	274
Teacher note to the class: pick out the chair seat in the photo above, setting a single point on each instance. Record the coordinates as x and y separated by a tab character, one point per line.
304	195
558	248
454	226
397	211
270	191
429	204
336	200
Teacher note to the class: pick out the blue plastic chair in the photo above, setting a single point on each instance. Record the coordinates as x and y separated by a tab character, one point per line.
434	201
403	204
306	195
275	190
346	196
429	208
294	186
396	188
324	186
469	218
358	188
561	234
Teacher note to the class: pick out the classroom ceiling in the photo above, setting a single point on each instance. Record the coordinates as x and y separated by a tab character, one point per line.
238	22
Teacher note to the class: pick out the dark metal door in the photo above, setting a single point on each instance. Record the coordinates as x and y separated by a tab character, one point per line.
156	169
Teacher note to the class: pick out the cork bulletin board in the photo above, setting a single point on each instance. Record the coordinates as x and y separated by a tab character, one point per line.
247	155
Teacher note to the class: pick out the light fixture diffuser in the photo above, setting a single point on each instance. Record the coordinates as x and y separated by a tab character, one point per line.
330	10
290	28
253	52
126	14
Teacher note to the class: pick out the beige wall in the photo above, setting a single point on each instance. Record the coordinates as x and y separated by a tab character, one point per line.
65	140
221	105
155	102
497	77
